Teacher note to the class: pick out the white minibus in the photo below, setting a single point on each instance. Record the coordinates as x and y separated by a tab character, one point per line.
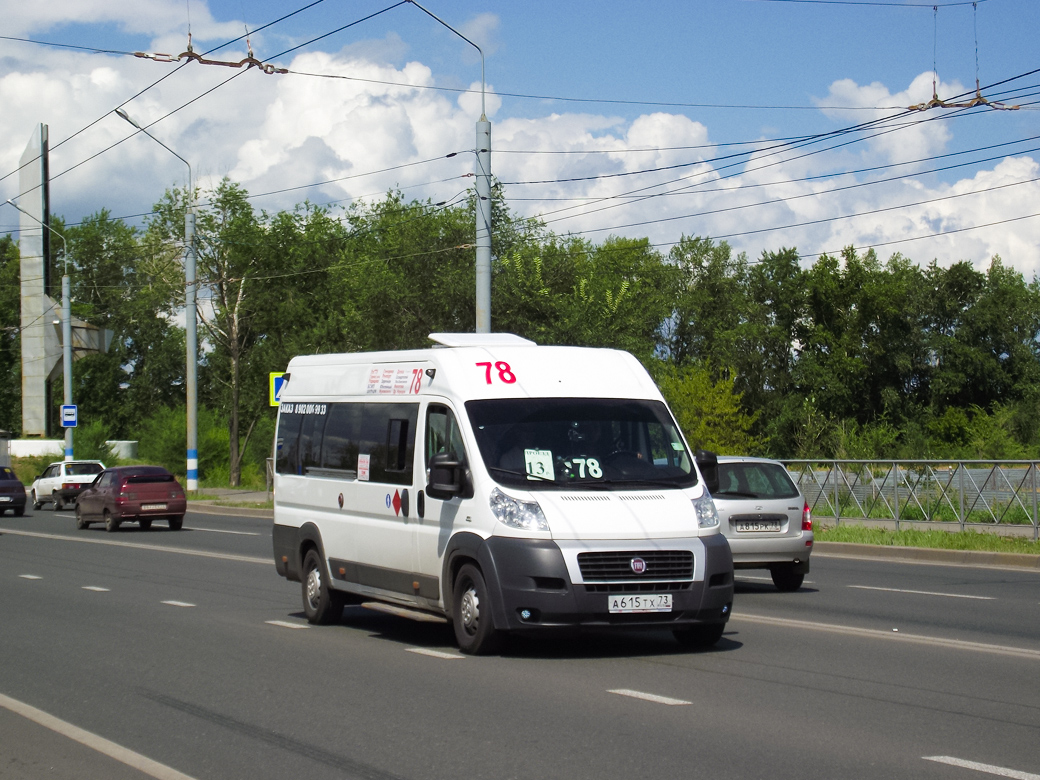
507	486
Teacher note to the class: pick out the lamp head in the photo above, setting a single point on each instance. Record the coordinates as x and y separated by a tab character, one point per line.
120	112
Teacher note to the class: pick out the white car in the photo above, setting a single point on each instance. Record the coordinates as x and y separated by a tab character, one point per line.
765	517
61	482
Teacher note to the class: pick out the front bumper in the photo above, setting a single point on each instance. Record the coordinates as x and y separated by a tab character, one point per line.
531	578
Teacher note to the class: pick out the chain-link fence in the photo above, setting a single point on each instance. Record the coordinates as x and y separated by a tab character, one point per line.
968	494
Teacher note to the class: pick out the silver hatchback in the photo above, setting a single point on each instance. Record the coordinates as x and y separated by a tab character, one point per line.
765	517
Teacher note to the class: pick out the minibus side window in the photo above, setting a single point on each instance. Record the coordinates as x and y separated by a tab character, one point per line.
340	445
286	443
398	442
311	433
443	433
387	436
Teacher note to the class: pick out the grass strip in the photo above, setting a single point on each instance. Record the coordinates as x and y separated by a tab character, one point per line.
942	540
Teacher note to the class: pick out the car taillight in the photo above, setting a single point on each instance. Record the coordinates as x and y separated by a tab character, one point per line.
69	486
124	493
806	518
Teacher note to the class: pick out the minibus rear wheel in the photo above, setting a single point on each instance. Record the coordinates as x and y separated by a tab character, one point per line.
321	605
471	613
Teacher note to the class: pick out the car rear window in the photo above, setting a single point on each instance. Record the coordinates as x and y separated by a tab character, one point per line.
754	480
137	479
81	469
6	473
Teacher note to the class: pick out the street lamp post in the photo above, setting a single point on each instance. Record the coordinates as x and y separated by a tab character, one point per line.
66	324
483	191
190	323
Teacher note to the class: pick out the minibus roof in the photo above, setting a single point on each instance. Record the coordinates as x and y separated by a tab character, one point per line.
468	366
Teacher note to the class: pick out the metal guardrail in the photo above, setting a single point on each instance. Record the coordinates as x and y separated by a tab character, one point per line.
968	493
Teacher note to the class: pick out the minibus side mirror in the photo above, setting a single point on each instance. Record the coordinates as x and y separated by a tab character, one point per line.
447	477
708	463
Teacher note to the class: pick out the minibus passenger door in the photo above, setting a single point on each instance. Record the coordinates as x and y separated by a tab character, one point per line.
444	464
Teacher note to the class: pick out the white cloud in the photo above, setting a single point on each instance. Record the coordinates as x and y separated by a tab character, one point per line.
149	17
907	143
274	132
482	29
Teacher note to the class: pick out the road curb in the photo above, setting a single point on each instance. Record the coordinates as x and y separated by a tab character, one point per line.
213	508
963	557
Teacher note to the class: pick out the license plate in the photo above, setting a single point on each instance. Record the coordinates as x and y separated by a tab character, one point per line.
5	498
147	507
745	526
643	602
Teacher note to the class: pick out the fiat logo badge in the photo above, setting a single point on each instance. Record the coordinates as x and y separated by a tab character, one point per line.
638	565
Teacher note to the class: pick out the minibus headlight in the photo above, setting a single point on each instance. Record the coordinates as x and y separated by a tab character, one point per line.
707	515
516	513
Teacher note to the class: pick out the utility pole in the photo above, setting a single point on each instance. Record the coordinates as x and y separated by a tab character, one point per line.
483	189
483	186
190	321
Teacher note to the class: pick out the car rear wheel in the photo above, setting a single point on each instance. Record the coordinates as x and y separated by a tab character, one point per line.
59	504
471	613
145	523
36	504
785	577
701	636
81	524
18	512
176	522
111	524
321	604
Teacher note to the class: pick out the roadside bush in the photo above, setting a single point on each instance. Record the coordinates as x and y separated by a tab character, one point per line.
162	439
89	443
28	469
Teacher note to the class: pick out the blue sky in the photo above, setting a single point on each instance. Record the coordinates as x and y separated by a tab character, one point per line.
746	70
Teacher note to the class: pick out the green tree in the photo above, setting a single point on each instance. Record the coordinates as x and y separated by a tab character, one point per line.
131	288
10	337
710	302
709	412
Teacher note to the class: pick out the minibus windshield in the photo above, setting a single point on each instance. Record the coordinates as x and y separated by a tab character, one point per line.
582	443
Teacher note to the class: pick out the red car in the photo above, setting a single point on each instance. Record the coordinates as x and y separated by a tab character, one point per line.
132	494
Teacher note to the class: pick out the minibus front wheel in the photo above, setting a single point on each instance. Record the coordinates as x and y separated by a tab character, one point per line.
471	613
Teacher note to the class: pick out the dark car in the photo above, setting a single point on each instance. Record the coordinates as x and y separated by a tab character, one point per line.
137	494
12	493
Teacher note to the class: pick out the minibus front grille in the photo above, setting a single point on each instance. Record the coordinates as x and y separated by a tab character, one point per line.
636	587
637	565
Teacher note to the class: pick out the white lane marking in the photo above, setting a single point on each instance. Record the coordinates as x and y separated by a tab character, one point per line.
955	644
649	697
135	546
96	589
223	531
93	741
435	653
30	576
178	603
286	624
925	593
765	579
988	768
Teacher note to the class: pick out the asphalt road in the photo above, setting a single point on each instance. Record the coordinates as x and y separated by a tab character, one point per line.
183	655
